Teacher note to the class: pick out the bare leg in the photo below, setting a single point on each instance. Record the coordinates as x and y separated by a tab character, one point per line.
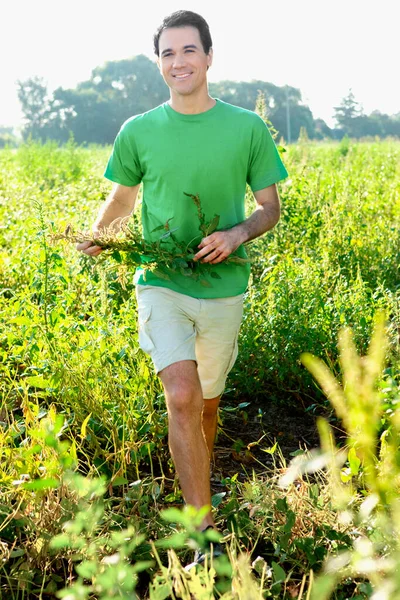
210	421
186	436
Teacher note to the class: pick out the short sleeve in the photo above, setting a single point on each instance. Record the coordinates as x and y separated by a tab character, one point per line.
265	165
124	165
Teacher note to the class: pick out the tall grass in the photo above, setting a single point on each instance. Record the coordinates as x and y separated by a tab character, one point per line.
83	434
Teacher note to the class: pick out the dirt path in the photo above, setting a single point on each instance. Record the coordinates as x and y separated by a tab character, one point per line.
246	434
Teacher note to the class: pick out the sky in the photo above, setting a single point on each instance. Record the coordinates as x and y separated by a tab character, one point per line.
322	47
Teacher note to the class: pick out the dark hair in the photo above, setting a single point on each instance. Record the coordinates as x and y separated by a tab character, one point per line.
185	18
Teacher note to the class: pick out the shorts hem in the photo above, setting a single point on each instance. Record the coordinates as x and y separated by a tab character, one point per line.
167	362
210	395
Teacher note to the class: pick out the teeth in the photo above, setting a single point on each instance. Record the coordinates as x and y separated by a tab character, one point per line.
182	76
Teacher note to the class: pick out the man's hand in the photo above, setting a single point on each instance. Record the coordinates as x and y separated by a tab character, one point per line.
89	248
218	246
119	204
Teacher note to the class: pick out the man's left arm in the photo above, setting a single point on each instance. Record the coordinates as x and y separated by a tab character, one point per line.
219	245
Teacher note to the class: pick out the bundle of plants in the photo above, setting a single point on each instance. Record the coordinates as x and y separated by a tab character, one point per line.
124	242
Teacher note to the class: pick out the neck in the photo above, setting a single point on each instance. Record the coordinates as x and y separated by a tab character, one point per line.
191	104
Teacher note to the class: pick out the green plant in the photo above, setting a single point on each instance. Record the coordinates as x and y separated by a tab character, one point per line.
103	558
375	552
157	257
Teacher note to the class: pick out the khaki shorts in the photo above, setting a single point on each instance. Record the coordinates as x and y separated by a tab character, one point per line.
175	327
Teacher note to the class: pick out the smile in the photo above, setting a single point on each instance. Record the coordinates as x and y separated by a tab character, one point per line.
183	76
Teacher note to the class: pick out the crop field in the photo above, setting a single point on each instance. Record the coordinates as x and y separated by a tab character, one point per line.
90	506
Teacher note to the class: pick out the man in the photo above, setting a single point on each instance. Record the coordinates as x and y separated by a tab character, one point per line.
198	145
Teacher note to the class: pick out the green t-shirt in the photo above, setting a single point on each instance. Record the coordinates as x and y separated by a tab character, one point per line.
213	155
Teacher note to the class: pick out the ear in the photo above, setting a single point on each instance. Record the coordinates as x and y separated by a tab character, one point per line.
209	58
158	63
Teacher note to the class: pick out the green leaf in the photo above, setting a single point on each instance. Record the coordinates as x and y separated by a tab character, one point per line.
84	425
271	450
120	481
142	565
158	228
177	540
215	275
76	591
87	569
17	552
60	541
120	354
135	257
290	521
216	499
279	573
22	321
41	484
281	504
179	262
172	515
38	381
212	226
160	591
168	233
354	461
116	255
323	586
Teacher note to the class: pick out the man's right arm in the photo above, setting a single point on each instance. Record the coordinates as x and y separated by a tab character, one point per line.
119	204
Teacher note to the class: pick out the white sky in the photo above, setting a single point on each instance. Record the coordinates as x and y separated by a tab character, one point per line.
323	47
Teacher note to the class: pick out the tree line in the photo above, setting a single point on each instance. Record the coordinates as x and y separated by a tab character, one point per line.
94	111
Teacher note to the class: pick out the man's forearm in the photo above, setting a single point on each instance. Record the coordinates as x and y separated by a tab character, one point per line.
219	245
263	219
111	210
119	204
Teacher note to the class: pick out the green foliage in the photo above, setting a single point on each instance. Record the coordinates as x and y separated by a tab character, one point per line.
375	551
95	110
352	122
83	422
102	558
246	94
331	261
348	110
161	257
262	110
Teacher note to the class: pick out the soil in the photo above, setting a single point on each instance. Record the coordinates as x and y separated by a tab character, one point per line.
246	434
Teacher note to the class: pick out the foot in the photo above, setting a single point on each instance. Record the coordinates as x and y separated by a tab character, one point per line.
213	550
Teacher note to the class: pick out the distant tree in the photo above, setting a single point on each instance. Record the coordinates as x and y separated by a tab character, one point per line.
300	116
352	122
7	137
348	110
34	100
322	130
384	125
95	110
41	116
244	94
87	115
136	82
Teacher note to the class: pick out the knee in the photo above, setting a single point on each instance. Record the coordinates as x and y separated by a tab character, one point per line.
184	401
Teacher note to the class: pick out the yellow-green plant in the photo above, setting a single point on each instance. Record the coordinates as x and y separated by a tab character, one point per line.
374	459
158	257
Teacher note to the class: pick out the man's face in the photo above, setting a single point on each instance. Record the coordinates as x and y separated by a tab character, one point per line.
183	62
